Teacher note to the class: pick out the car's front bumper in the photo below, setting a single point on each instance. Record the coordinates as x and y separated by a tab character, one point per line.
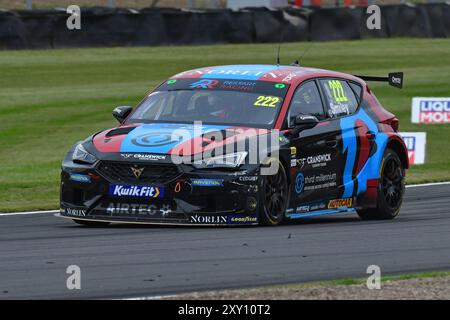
186	197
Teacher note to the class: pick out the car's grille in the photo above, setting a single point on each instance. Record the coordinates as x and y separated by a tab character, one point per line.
150	173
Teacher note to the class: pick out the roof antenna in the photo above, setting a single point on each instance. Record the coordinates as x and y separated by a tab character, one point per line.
279	47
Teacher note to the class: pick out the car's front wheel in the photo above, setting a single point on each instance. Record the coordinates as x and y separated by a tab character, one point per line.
274	194
391	189
94	224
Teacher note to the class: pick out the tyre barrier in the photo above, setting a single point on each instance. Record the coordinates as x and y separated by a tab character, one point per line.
105	27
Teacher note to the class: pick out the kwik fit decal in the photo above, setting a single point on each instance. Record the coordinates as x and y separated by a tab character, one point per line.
119	190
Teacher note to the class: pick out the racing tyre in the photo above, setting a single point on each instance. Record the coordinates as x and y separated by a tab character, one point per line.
391	189
274	194
93	224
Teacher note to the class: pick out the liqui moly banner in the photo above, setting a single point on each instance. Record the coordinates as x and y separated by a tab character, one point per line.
430	110
416	144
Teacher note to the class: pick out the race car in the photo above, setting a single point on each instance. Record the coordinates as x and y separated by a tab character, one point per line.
241	145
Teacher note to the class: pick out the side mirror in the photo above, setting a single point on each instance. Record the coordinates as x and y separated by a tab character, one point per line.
303	122
121	113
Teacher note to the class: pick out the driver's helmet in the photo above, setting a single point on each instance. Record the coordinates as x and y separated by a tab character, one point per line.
215	101
217	105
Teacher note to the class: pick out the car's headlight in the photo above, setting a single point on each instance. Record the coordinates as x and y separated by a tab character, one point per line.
81	155
233	160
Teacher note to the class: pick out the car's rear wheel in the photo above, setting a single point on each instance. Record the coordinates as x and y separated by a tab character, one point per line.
274	194
391	189
94	224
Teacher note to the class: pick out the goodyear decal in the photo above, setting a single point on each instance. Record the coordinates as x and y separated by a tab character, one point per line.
242	219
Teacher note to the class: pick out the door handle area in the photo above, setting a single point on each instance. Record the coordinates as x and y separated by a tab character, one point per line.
371	135
331	143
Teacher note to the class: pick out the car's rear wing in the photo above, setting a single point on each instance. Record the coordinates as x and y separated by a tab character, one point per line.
395	79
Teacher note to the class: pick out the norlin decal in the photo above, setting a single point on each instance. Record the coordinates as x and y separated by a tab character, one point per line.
76	212
208	219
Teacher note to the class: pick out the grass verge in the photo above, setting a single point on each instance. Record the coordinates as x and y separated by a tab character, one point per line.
424	285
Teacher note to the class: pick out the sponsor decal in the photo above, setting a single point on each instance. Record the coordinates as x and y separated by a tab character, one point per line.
238	85
139	209
293	150
241	72
339	203
306	208
321	181
208	219
302	209
120	190
301	162
80	177
172	81
143	157
318	206
293	162
290	211
75	212
338	110
396	80
248	178
207	182
430	110
289	77
299	183
204	84
239	219
320	160
416	145
156	139
238	173
316	161
161	138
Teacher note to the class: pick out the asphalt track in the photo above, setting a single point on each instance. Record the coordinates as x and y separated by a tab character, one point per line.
126	261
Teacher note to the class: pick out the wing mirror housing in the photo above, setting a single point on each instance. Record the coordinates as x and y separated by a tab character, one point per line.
121	113
303	122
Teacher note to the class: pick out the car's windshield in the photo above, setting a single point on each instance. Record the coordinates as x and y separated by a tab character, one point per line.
229	102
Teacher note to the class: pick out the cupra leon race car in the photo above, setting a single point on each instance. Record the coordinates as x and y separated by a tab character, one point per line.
186	154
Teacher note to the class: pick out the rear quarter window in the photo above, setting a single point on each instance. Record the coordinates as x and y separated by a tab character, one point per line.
340	98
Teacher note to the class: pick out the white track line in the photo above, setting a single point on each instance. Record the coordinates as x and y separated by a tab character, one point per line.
428	184
30	212
152	297
56	211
